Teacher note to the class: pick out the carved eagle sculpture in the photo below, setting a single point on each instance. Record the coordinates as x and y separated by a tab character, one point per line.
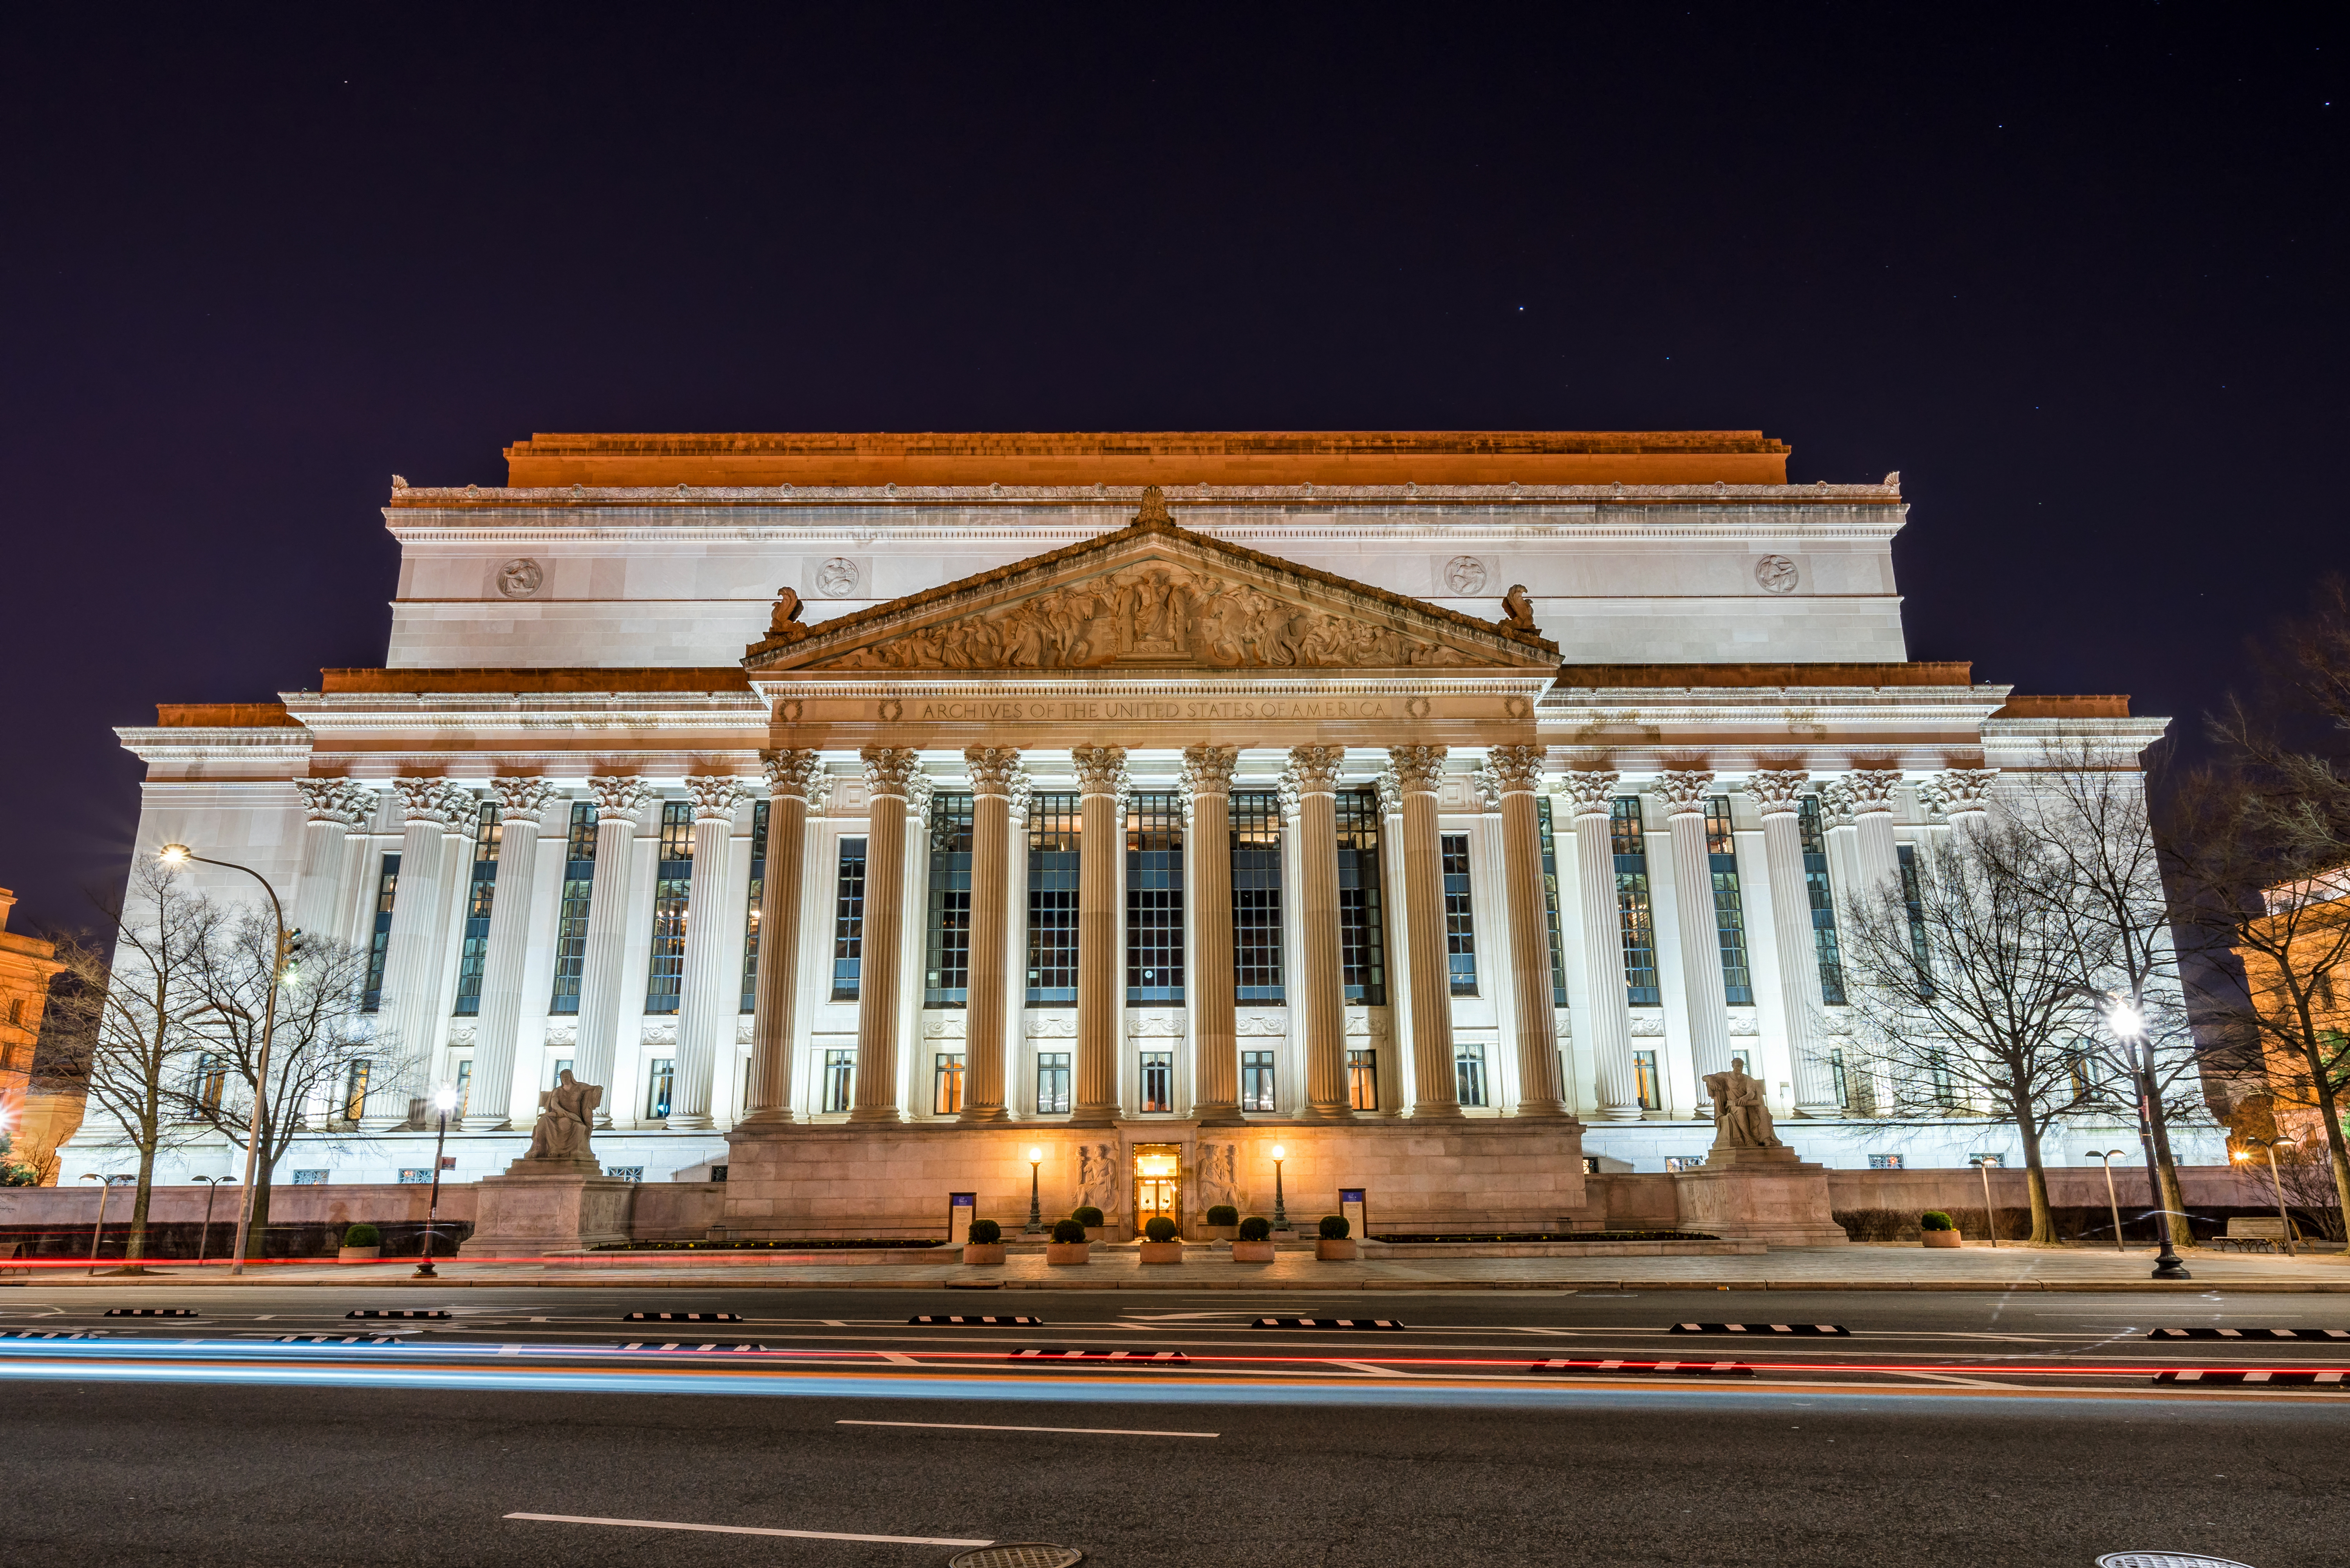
1518	609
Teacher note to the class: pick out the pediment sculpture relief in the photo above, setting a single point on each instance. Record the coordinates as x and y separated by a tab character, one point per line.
1155	613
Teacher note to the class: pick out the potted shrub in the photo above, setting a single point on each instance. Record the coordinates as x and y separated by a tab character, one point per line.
1254	1242
983	1243
1090	1218
1333	1247
1160	1244
361	1243
1937	1228
1069	1244
1224	1223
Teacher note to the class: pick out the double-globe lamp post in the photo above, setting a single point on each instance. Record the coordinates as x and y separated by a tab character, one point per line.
180	855
2128	1026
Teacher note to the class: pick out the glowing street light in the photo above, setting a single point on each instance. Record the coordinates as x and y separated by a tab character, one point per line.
444	1100
2277	1182
1280	1209
1035	1215
2128	1025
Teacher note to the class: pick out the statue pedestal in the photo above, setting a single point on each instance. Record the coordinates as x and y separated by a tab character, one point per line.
1757	1195
543	1208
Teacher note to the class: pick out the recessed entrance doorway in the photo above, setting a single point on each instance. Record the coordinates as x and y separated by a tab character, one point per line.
1158	1183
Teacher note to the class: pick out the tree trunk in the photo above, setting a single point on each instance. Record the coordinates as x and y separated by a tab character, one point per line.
2036	1176
2174	1198
258	1237
135	1247
2321	1083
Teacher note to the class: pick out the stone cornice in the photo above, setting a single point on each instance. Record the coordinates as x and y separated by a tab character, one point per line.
561	498
151	743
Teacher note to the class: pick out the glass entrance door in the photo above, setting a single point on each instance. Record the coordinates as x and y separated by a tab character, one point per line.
1158	1184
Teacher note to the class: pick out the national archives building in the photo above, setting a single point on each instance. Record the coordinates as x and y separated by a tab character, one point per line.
876	816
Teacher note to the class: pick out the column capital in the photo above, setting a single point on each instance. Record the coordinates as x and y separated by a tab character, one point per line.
1315	768
1021	790
521	799
920	788
1391	787
338	800
432	800
1591	791
1684	790
715	796
890	770
1516	770
1870	789
1836	803
992	769
1101	770
1959	792
1208	770
620	797
793	771
1776	791
1418	768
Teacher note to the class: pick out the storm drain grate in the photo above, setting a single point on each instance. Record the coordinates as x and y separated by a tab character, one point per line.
2248	1334
395	1311
1327	1323
150	1311
682	1318
1018	1555
2164	1559
2271	1379
1794	1328
990	1321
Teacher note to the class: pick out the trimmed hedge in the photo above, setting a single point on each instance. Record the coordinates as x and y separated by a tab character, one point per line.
1158	1228
1334	1227
1065	1230
1224	1214
1087	1215
1935	1220
1255	1228
362	1235
985	1233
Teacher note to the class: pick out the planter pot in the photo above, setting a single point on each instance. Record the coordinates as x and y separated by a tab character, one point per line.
1939	1237
1162	1251
1220	1232
983	1252
1251	1251
1097	1232
1330	1252
359	1254
1059	1252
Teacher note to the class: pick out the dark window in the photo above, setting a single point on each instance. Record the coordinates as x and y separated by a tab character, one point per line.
571	919
848	922
1363	1077
757	899
946	1082
1054	825
1550	900
1256	1081
1158	1081
1728	905
1644	1081
672	886
212	1081
1257	896
480	894
840	1070
1469	1074
1835	1071
386	893
1823	898
1154	898
946	979
1460	920
1633	915
1912	897
1362	940
662	1087
1052	1082
355	1087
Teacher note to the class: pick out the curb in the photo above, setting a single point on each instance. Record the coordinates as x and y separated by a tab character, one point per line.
1372	1287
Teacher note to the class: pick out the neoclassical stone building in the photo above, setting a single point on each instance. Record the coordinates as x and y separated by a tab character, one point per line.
868	812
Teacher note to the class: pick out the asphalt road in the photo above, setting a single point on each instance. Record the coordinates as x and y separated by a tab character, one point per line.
266	1454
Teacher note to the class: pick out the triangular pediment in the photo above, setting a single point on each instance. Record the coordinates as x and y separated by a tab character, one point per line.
1152	596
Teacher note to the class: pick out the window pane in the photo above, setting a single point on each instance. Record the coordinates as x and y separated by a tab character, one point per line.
1052	1082
848	922
1362	939
1823	902
839	1078
1157	1081
387	892
1633	914
1154	898
1459	929
672	886
1256	1081
1550	900
755	897
946	982
1644	1077
1469	1074
1257	896
663	1082
571	915
1054	823
472	954
1363	1077
946	1082
1728	905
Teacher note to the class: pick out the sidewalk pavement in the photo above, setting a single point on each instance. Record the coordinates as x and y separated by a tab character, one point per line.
1882	1267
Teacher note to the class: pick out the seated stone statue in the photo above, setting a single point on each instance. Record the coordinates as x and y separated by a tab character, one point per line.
1742	1114
566	1115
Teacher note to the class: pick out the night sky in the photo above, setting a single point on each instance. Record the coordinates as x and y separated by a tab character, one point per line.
2078	274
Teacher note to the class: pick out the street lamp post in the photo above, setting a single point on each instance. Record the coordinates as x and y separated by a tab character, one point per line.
180	855
212	1190
2129	1027
1991	1215
98	1231
1035	1214
1280	1211
2277	1183
444	1100
2111	1202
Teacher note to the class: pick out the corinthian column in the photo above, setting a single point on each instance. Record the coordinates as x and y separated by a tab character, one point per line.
1869	792
1435	1090
1964	793
791	774
1778	795
888	783
1100	773
336	808
711	996
434	810
1591	795
521	803
1684	792
1207	874
984	1013
1542	1092
1321	987
601	964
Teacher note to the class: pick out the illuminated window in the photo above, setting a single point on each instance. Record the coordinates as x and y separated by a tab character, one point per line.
571	918
672	888
1550	900
355	1089
757	898
212	1081
1362	943
848	922
661	1086
1054	826
946	979
1257	896
1728	906
946	1082
1052	1082
1158	1081
1460	920
839	1079
1256	1081
1154	898
1363	1077
481	892
1469	1074
1633	915
387	892
1645	1086
1823	899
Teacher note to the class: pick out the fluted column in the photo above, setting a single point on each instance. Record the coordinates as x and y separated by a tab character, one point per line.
992	770
1208	877
1684	793
1608	1027
1541	1090
710	995
1016	957
1870	794
1320	982
1777	793
1100	773
888	782
521	803
791	774
433	809
336	809
1435	1090
604	960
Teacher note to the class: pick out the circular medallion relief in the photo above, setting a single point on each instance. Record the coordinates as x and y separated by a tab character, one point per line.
1776	574
1464	574
520	578
837	579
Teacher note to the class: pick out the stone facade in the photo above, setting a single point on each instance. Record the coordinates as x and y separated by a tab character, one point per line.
27	966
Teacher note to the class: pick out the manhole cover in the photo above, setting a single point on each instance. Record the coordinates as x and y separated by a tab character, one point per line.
1018	1555
2156	1560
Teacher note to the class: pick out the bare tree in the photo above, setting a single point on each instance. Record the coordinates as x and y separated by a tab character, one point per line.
319	1037
1968	1000
139	1015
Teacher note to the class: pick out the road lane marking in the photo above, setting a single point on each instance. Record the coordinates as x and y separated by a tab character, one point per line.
1374	1371
750	1530
976	1426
